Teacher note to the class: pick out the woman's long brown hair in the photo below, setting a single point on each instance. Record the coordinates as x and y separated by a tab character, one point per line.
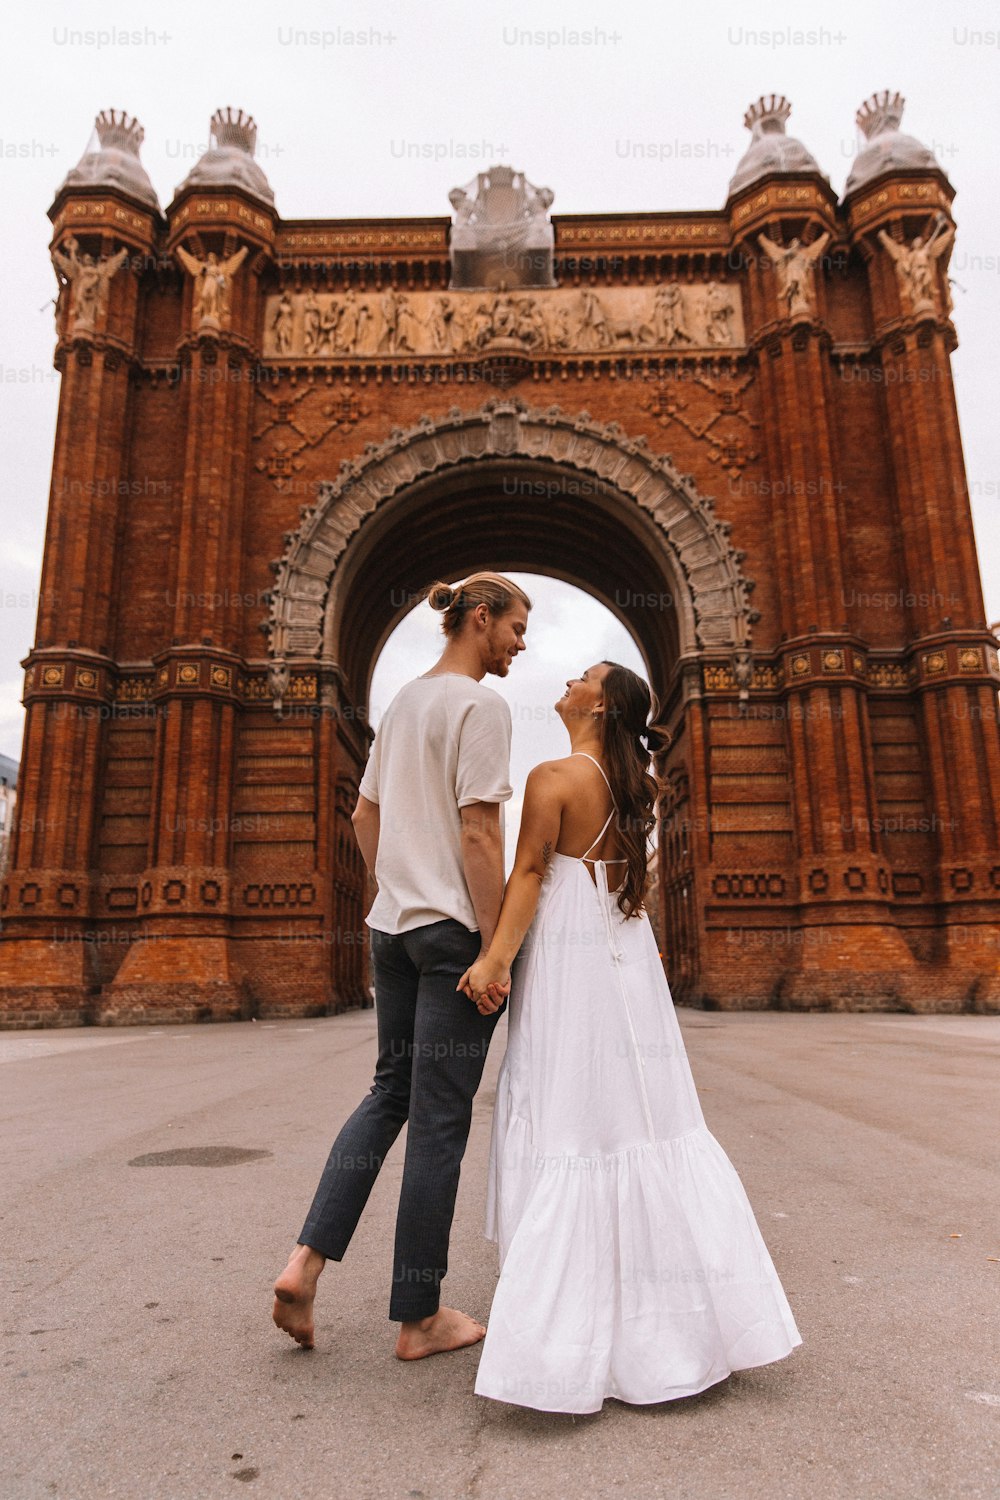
628	705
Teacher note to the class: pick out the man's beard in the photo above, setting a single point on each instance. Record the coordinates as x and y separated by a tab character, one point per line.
498	664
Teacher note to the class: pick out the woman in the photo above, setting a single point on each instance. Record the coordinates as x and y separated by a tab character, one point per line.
631	1264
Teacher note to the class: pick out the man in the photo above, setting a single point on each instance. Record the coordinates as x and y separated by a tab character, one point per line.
429	824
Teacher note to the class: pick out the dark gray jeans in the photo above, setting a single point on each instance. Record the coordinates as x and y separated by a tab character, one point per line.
432	1045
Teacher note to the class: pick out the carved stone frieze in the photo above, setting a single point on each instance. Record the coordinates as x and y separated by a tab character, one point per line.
551	321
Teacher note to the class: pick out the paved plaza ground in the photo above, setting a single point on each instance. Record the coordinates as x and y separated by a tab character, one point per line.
140	1360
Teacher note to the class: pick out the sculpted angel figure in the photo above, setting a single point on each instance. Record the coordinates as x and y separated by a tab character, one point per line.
915	262
795	264
212	280
89	281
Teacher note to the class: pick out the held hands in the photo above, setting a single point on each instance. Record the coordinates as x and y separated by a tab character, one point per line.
486	983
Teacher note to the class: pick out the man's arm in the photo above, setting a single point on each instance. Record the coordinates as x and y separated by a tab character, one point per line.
366	820
482	862
541	819
482	783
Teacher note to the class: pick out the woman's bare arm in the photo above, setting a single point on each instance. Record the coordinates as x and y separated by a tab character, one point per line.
541	819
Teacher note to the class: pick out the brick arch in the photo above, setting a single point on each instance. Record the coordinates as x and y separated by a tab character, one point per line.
711	595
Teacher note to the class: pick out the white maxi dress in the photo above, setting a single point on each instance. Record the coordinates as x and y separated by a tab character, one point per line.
631	1264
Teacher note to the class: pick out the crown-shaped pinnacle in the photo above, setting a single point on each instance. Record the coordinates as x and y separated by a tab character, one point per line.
119	131
232	127
882	111
767	115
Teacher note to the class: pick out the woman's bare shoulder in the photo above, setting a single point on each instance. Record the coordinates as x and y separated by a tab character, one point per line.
548	770
549	777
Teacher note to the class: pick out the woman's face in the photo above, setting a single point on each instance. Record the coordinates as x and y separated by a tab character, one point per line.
584	694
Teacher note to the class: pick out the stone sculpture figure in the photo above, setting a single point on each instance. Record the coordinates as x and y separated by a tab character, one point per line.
504	315
742	668
311	316
441	323
328	324
530	324
407	327
718	311
389	308
365	322
353	319
501	225
278	676
282	324
89	280
212	282
915	264
794	264
557	327
482	325
593	331
668	316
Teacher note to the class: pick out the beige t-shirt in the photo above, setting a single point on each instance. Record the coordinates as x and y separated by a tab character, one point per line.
443	742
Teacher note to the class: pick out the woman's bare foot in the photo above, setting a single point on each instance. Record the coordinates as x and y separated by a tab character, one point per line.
446	1329
295	1292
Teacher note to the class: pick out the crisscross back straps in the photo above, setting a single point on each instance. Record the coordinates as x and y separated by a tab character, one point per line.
607	821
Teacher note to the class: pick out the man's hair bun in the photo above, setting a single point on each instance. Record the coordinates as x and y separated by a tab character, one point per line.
458	601
441	596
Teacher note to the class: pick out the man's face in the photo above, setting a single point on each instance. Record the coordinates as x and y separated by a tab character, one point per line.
504	638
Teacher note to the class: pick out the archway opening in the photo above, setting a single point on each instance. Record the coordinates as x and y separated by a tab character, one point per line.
516	517
568	630
525	491
604	582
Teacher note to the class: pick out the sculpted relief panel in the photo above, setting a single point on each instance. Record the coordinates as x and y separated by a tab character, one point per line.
563	320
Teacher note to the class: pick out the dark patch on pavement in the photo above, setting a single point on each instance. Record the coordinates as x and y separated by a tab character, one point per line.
199	1156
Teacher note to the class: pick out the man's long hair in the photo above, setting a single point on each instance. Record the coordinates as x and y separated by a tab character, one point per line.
455	600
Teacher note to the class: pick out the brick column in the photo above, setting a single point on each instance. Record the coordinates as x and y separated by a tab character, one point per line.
852	953
184	968
950	655
101	245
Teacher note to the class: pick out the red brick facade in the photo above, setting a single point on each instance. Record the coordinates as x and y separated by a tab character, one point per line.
240	512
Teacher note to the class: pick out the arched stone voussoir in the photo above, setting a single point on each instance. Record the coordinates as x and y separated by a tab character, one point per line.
715	613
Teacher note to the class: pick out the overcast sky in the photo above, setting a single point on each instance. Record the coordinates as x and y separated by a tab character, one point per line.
380	109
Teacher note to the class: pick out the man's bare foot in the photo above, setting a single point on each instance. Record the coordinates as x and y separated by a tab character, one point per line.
446	1329
295	1292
